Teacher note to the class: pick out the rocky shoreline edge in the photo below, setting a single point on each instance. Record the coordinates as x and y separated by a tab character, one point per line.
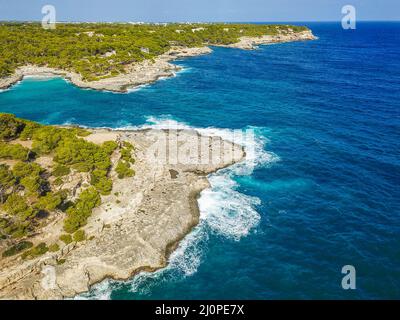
148	71
137	227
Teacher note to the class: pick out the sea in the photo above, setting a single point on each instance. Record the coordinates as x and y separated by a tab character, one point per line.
321	191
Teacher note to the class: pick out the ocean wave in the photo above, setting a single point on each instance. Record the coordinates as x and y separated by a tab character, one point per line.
134	89
226	211
100	291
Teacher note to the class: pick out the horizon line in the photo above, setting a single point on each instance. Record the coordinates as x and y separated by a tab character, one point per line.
171	22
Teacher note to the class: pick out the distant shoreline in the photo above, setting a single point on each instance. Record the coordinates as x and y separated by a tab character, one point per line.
148	71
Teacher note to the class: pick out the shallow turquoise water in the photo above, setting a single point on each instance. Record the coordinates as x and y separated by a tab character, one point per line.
324	192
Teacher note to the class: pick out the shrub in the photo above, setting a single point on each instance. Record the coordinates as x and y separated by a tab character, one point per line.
16	205
79	236
29	129
29	175
61	171
7	180
123	170
128	145
19	247
54	247
32	184
19	231
10	126
13	151
46	139
103	185
78	214
81	132
37	251
27	169
13	228
109	146
50	201
66	238
100	180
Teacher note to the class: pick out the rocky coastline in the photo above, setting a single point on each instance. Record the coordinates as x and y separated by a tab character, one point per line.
148	71
136	227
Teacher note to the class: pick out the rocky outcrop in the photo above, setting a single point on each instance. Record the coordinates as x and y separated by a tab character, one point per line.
138	225
251	43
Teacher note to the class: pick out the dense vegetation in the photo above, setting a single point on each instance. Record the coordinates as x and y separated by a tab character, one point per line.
27	189
123	167
103	50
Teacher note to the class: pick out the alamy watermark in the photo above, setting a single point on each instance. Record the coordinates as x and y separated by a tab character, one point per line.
48	281
49	18
349	18
186	147
349	280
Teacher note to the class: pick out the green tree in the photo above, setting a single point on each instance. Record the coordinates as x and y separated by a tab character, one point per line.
78	214
79	236
61	171
7	181
14	151
18	248
50	201
54	247
35	252
66	238
10	127
123	170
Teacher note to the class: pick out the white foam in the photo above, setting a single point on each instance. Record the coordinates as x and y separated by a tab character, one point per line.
41	77
100	291
182	263
134	89
226	211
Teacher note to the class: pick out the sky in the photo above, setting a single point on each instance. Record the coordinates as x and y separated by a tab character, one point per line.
199	10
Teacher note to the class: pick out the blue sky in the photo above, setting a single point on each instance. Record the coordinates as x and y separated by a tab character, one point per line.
199	10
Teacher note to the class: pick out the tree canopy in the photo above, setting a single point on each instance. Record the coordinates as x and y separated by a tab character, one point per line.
99	50
26	191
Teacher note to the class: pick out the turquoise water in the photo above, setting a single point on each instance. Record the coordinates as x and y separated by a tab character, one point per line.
324	192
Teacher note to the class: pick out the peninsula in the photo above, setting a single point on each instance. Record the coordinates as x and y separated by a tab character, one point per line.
117	57
81	205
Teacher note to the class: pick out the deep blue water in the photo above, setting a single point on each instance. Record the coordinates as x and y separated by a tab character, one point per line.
325	191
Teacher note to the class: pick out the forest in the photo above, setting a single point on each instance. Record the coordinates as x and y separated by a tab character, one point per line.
101	50
29	193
